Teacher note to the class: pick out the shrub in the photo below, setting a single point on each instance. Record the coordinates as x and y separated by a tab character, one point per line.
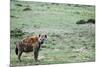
81	22
27	9
19	5
16	32
84	22
91	21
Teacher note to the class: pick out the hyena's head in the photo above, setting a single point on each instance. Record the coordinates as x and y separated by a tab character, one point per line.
42	38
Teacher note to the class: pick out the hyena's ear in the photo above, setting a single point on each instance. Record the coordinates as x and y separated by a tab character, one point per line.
46	36
39	35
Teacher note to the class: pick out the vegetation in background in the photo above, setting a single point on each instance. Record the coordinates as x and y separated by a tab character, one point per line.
84	22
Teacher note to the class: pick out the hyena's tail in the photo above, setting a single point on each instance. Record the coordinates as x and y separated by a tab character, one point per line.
16	51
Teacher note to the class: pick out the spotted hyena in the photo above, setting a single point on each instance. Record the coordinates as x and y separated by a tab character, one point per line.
29	44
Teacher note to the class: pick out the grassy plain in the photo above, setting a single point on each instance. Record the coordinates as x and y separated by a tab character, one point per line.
67	41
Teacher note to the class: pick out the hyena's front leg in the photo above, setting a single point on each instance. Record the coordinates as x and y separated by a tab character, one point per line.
19	55
36	52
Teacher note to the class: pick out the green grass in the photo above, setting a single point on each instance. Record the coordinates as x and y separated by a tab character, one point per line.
67	42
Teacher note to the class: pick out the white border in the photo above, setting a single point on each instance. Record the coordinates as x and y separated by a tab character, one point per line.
4	33
5	39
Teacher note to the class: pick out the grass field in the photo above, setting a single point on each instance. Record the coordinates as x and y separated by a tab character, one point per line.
67	42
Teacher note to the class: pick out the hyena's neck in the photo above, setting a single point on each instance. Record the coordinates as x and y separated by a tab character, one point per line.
39	45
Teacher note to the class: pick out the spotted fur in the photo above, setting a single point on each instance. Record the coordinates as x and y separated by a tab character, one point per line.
29	44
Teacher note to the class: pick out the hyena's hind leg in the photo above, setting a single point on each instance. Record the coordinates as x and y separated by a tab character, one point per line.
20	50
19	55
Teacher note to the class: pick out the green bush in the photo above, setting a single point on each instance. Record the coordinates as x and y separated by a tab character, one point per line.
17	32
19	5
81	22
27	9
84	22
91	21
